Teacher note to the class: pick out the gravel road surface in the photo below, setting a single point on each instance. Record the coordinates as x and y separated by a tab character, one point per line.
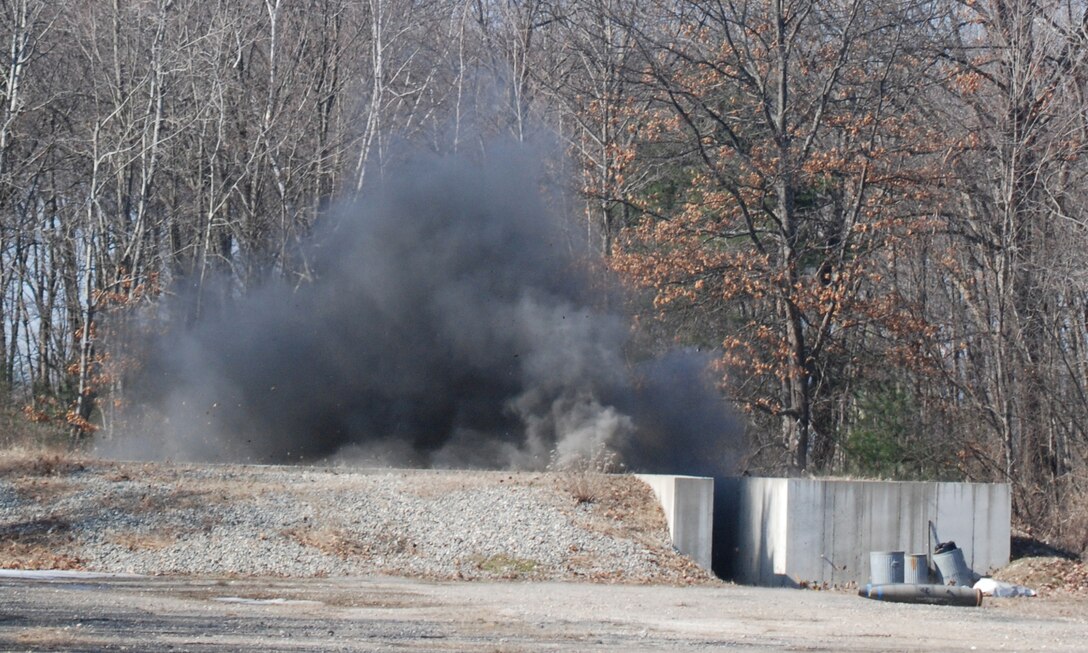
398	614
158	557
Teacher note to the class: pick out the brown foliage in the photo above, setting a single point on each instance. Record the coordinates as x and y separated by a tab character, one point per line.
787	225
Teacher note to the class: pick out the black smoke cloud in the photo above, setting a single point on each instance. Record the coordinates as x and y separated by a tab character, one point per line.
449	323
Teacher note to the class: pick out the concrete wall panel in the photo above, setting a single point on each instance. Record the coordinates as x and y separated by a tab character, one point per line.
883	518
688	503
854	540
807	530
992	514
774	502
790	531
756	522
915	507
955	519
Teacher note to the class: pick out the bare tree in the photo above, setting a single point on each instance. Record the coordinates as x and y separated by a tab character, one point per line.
1014	85
787	125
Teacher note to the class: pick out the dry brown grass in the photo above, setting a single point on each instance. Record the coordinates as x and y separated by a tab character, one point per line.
505	566
632	502
586	477
37	545
624	507
18	431
327	540
432	486
586	487
58	639
1074	535
618	505
160	500
21	461
43	490
38	474
145	541
341	543
23	555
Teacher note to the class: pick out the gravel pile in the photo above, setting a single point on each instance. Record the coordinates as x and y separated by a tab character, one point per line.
280	521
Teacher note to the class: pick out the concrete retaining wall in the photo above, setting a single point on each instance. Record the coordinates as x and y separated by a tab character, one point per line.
688	502
790	531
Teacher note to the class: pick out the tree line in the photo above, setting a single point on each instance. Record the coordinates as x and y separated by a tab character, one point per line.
875	211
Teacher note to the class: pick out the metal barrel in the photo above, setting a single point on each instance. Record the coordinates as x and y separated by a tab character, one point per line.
886	567
916	569
953	568
924	594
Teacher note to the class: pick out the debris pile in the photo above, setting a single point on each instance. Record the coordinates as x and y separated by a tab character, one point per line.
1047	574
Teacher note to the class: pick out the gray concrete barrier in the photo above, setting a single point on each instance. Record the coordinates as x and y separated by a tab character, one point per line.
791	531
688	502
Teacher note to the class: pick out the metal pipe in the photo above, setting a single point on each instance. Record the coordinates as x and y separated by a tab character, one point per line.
925	594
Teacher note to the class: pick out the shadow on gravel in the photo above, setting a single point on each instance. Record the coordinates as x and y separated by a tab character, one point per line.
37	530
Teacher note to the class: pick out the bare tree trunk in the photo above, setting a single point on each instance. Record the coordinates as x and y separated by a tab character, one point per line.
85	393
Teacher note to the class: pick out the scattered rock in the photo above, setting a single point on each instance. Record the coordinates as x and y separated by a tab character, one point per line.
309	521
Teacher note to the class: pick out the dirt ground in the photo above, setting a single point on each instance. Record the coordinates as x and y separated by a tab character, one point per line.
88	613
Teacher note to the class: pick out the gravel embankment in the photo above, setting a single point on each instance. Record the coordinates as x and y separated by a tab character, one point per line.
154	518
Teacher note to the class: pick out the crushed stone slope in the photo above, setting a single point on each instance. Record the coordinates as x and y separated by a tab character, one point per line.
160	518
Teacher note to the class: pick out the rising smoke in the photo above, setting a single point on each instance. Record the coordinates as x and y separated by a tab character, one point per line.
449	323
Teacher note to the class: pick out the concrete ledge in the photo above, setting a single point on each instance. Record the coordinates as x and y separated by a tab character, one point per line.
688	502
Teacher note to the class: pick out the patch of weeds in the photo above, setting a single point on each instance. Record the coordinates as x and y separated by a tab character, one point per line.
631	502
506	566
326	540
40	463
164	499
343	544
144	541
44	490
31	426
586	477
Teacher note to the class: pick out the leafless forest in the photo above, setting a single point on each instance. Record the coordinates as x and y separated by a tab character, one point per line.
875	211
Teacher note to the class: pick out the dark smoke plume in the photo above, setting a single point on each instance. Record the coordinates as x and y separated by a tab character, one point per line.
448	324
